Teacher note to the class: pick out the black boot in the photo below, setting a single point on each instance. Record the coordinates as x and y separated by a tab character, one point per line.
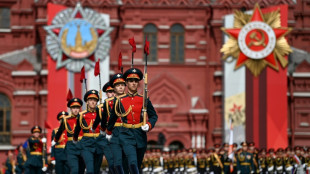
119	170
133	169
112	170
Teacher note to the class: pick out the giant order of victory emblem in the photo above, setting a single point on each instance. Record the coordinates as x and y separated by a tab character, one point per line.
78	37
257	40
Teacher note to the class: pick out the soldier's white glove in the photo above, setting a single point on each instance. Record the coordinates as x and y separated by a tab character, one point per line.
74	142
289	168
239	172
252	171
279	168
92	130
270	168
108	137
53	162
296	165
145	127
211	172
43	140
304	166
102	132
308	168
44	169
53	143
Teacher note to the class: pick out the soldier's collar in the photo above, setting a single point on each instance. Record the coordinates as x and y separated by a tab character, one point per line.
91	110
132	95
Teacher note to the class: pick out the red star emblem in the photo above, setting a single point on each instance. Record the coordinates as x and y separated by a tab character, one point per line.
257	39
235	108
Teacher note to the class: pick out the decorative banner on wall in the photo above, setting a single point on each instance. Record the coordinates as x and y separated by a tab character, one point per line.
78	37
257	40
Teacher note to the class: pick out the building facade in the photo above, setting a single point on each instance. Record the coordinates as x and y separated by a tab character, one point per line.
185	66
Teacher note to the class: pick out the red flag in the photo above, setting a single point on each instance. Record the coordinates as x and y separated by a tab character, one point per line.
82	77
47	125
147	47
97	68
120	61
133	44
69	95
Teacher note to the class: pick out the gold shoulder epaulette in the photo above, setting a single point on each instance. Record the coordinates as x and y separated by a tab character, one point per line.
123	95
109	99
100	105
141	95
83	112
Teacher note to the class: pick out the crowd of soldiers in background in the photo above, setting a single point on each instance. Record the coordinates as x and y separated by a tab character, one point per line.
246	159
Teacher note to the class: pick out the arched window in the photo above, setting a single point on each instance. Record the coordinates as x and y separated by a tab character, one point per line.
5	120
150	31
177	44
175	145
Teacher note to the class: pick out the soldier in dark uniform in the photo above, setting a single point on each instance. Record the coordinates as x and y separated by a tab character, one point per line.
35	162
113	150
262	161
216	165
102	118
201	162
9	163
21	159
67	124
279	162
289	160
245	163
85	121
58	154
132	134
270	160
251	150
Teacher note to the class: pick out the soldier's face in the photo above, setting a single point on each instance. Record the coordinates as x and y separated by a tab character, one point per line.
75	110
36	134
132	84
91	102
110	94
119	88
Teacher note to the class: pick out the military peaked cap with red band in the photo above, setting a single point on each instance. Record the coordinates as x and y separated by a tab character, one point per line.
91	94
133	73
107	87
75	102
117	78
62	114
36	129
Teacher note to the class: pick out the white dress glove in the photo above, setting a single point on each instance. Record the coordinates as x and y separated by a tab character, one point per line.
145	127
44	169
53	143
43	140
108	137
53	162
74	142
102	132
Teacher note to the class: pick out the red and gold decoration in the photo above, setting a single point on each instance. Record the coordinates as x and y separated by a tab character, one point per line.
257	40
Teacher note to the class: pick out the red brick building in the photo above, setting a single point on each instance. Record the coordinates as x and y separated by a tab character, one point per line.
185	69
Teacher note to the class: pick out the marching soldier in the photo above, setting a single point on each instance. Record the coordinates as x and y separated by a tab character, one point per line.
216	161
67	124
58	154
279	161
21	159
102	117
289	160
115	87
262	161
85	121
245	163
255	156
36	163
10	163
132	135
